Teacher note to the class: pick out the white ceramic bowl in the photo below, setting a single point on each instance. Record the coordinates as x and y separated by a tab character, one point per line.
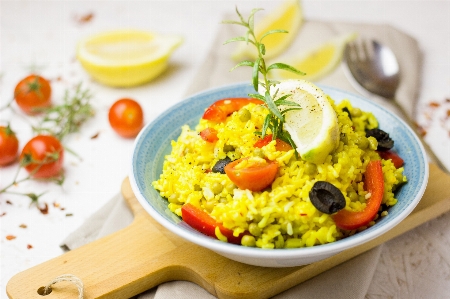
153	143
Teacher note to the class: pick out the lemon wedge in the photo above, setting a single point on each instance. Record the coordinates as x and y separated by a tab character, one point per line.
317	62
126	58
287	16
314	128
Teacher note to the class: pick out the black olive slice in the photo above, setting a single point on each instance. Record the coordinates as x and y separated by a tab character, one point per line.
384	141
220	165
326	197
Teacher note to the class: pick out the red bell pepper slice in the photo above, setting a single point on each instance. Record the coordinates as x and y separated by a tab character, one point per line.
281	145
204	223
393	156
374	184
209	135
256	177
220	110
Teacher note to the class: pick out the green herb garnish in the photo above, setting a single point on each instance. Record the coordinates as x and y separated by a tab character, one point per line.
66	118
275	119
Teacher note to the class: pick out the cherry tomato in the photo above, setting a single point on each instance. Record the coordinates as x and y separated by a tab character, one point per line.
43	156
33	93
205	224
209	135
257	176
219	111
126	117
393	156
281	145
374	184
9	146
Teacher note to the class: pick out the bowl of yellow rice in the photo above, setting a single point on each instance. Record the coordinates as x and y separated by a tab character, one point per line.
278	226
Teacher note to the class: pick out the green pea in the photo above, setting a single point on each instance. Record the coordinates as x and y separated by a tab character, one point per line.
356	112
216	188
173	198
353	196
362	142
228	148
310	168
373	143
244	115
230	187
254	229
248	241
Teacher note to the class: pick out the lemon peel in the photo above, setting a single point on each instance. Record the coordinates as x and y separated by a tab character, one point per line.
125	58
288	16
314	128
318	61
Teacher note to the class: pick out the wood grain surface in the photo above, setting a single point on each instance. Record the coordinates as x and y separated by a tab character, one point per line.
145	254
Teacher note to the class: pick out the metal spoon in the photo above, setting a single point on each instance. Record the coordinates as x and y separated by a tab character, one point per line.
375	68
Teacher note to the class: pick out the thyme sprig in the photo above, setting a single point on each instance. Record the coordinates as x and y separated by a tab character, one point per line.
66	118
279	107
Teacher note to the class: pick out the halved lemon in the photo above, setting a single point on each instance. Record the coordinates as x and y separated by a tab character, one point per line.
287	16
126	58
316	62
314	128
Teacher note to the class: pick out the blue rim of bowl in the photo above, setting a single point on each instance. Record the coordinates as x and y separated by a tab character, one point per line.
190	234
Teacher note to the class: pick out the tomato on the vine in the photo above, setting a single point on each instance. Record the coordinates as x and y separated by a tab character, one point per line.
126	117
9	146
33	93
43	156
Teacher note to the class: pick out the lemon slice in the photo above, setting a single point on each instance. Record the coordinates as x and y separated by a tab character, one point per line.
287	16
314	129
317	62
126	58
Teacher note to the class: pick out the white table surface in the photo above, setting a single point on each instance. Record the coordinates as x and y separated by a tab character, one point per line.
43	34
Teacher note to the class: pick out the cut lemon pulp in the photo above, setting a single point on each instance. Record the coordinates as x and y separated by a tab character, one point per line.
317	62
126	58
287	16
314	128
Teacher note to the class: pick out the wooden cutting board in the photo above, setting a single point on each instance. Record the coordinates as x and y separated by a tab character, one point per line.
145	254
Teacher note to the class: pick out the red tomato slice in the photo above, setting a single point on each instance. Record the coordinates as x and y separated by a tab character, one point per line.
374	184
255	177
280	145
393	156
209	135
221	109
205	224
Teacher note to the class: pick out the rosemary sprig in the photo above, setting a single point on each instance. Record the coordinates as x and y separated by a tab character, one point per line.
66	118
279	107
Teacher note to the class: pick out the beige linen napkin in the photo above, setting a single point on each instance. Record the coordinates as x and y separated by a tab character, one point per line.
348	280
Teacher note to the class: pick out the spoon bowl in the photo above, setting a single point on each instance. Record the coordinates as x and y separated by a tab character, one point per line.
374	66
